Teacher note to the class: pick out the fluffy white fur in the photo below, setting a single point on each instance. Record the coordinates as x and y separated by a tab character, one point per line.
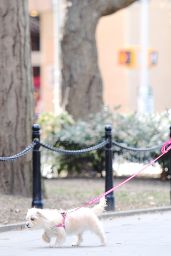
76	222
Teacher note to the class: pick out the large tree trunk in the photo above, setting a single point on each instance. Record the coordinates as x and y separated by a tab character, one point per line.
81	81
16	95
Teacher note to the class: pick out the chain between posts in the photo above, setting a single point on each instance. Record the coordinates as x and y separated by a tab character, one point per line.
20	154
73	152
123	146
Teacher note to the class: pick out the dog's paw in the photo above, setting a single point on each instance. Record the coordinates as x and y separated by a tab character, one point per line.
75	245
45	237
103	243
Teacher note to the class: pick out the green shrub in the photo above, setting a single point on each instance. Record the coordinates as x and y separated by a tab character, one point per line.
51	124
132	130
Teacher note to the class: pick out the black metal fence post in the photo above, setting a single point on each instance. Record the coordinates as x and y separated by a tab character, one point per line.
109	169
37	194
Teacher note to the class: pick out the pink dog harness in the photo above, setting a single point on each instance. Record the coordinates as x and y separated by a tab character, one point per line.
62	225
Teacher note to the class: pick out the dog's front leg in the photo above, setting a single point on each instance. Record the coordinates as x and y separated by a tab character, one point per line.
45	237
60	239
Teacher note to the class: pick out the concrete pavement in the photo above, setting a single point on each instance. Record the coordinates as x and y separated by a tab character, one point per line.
139	235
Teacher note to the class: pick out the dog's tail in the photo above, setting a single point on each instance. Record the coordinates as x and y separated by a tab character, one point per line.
100	208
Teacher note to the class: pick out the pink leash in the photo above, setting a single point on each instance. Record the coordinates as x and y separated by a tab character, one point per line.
165	148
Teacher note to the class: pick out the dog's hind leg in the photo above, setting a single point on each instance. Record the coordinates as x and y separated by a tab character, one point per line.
79	240
98	230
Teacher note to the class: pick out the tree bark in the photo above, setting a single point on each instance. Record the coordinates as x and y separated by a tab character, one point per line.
16	96
81	80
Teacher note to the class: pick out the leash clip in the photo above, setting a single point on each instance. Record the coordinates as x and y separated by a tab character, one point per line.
62	224
166	147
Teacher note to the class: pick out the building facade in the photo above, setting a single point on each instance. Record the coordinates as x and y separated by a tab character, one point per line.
135	56
133	52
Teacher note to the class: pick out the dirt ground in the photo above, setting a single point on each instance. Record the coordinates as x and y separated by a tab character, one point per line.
67	193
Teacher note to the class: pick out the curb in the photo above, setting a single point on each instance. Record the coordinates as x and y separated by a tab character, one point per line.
107	215
135	212
10	227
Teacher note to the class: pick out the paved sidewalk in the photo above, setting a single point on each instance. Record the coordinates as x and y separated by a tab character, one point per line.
139	235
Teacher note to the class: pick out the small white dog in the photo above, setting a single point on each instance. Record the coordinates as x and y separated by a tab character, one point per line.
59	224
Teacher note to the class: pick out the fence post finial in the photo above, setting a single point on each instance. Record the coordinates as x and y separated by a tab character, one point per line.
109	169
37	194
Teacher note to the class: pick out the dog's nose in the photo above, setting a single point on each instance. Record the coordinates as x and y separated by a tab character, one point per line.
27	225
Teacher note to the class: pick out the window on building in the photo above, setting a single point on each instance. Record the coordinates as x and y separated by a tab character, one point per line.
35	33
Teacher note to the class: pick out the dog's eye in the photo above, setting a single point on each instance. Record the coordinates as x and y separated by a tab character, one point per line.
32	219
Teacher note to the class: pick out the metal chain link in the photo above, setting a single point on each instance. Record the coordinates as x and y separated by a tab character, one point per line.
20	154
73	152
120	145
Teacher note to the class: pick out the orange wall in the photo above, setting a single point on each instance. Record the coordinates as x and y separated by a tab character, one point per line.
122	31
109	40
47	61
